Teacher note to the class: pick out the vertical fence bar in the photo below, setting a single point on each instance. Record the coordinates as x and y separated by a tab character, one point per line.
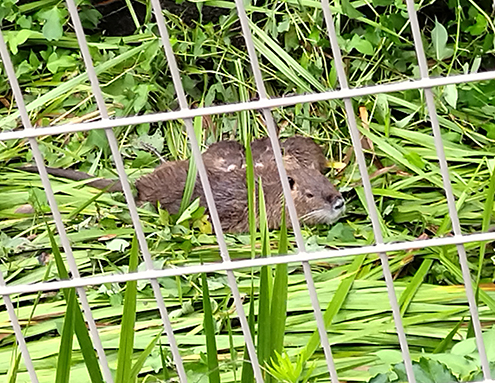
112	141
54	208
272	133
370	201
179	89
444	169
14	321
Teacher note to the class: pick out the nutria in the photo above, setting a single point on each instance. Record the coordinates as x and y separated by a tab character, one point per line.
316	199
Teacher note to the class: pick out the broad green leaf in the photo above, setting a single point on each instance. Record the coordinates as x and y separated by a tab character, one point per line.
16	38
361	45
439	37
476	64
187	214
450	95
117	244
55	62
349	10
54	20
480	26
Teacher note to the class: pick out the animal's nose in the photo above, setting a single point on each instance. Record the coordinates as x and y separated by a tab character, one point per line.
338	203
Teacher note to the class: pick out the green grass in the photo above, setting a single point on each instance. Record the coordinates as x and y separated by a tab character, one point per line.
291	42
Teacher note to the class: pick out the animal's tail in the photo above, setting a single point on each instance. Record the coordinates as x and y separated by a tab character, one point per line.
101	183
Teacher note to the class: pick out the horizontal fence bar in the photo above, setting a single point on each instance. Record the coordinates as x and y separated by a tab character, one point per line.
241	264
243	106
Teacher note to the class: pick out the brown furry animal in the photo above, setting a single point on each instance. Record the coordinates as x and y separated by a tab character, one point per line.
315	198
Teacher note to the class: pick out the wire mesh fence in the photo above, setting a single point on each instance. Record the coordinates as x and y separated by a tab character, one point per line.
303	257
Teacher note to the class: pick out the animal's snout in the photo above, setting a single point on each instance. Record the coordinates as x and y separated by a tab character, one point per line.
338	203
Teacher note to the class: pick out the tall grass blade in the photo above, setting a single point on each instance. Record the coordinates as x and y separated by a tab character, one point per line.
133	14
209	326
80	327
245	127
14	368
16	356
142	358
163	360
233	352
126	341
444	344
67	337
446	224
487	215
411	289
335	305
247	375
278	311
85	204
251	187
362	199
192	171
264	322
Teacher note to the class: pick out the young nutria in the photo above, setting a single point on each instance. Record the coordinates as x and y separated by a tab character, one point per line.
316	199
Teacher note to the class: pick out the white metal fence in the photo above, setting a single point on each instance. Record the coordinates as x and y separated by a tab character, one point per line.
227	265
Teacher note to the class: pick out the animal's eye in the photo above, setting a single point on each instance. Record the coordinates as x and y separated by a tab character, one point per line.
309	195
291	182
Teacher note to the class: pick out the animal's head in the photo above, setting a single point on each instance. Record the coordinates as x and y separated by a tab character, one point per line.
316	199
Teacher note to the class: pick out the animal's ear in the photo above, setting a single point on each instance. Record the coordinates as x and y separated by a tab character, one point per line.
291	183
